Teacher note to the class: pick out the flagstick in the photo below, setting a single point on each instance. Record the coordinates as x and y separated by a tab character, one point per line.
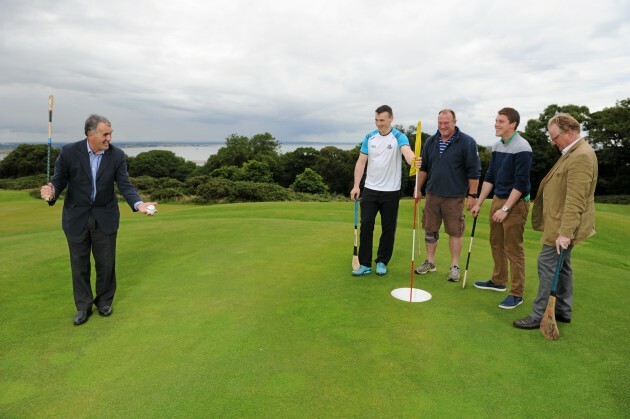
413	243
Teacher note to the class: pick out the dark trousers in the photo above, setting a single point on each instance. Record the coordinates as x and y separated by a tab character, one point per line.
385	203
103	247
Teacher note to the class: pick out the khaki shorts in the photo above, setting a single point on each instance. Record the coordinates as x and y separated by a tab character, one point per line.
451	210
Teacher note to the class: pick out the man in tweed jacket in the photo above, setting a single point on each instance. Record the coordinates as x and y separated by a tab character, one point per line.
564	210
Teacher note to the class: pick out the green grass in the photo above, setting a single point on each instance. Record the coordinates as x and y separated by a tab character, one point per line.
249	310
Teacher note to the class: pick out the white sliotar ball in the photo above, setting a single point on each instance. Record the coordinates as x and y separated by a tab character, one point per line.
151	209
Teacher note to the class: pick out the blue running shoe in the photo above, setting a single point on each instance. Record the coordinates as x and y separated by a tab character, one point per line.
363	270
489	285
511	302
381	269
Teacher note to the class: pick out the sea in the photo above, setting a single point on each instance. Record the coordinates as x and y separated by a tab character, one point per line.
197	153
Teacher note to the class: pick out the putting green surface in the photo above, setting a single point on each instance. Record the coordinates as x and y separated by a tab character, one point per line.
249	310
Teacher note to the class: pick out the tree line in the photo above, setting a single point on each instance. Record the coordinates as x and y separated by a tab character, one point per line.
254	169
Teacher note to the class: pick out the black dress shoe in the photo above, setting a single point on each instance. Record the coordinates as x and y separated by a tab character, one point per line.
562	319
81	317
105	311
527	323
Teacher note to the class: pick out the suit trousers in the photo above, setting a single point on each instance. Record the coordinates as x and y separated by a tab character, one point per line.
506	243
103	246
547	261
373	202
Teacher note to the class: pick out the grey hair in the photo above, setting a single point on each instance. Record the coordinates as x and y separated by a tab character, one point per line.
92	122
565	122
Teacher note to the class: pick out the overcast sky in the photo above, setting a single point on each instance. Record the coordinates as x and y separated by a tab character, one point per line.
303	71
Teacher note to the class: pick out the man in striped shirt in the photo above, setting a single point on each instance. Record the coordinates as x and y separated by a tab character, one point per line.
451	169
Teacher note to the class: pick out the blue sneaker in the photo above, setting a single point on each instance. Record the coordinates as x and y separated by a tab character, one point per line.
511	302
363	270
381	268
489	285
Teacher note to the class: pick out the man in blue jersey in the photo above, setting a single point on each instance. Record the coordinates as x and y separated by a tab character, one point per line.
509	176
382	151
451	168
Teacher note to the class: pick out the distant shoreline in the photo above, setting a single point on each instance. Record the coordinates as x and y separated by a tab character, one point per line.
197	152
122	144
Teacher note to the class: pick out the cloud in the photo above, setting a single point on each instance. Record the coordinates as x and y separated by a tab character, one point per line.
192	70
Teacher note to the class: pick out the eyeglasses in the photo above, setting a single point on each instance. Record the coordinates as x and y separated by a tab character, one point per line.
556	137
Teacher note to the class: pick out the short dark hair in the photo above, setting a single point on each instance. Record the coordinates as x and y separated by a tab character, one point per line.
512	115
92	122
385	108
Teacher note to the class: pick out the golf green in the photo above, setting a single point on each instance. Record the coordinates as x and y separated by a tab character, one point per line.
249	310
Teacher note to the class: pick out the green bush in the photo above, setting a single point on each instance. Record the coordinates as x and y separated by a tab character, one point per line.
223	190
613	199
145	184
166	194
260	192
255	171
214	189
192	183
309	181
28	159
26	182
225	172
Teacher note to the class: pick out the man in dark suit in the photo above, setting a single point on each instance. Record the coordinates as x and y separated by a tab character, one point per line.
89	169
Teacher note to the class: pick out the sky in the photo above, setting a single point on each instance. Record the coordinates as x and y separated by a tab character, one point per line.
303	71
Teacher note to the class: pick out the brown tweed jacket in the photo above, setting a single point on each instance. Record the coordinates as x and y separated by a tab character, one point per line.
564	204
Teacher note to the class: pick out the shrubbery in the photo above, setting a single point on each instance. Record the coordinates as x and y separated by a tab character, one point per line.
224	190
26	182
310	182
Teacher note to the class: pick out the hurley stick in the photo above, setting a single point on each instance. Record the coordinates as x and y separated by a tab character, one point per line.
50	110
472	236
548	325
355	255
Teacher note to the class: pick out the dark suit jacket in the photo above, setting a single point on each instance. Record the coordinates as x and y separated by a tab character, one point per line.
72	170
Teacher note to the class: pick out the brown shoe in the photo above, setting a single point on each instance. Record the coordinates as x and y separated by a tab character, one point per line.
527	323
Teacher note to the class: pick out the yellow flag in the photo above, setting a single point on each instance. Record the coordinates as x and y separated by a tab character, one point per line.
417	148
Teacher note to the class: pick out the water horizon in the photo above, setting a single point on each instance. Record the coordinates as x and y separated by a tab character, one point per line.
197	152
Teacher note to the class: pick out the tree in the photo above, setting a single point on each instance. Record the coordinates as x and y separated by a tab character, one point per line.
264	145
239	150
255	171
27	160
236	152
544	154
310	182
266	149
294	162
336	167
226	172
160	163
609	133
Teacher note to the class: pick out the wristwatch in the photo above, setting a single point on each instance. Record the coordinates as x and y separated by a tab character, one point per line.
505	209
473	195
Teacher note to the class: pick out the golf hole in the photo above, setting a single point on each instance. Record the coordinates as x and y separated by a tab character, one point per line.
417	296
